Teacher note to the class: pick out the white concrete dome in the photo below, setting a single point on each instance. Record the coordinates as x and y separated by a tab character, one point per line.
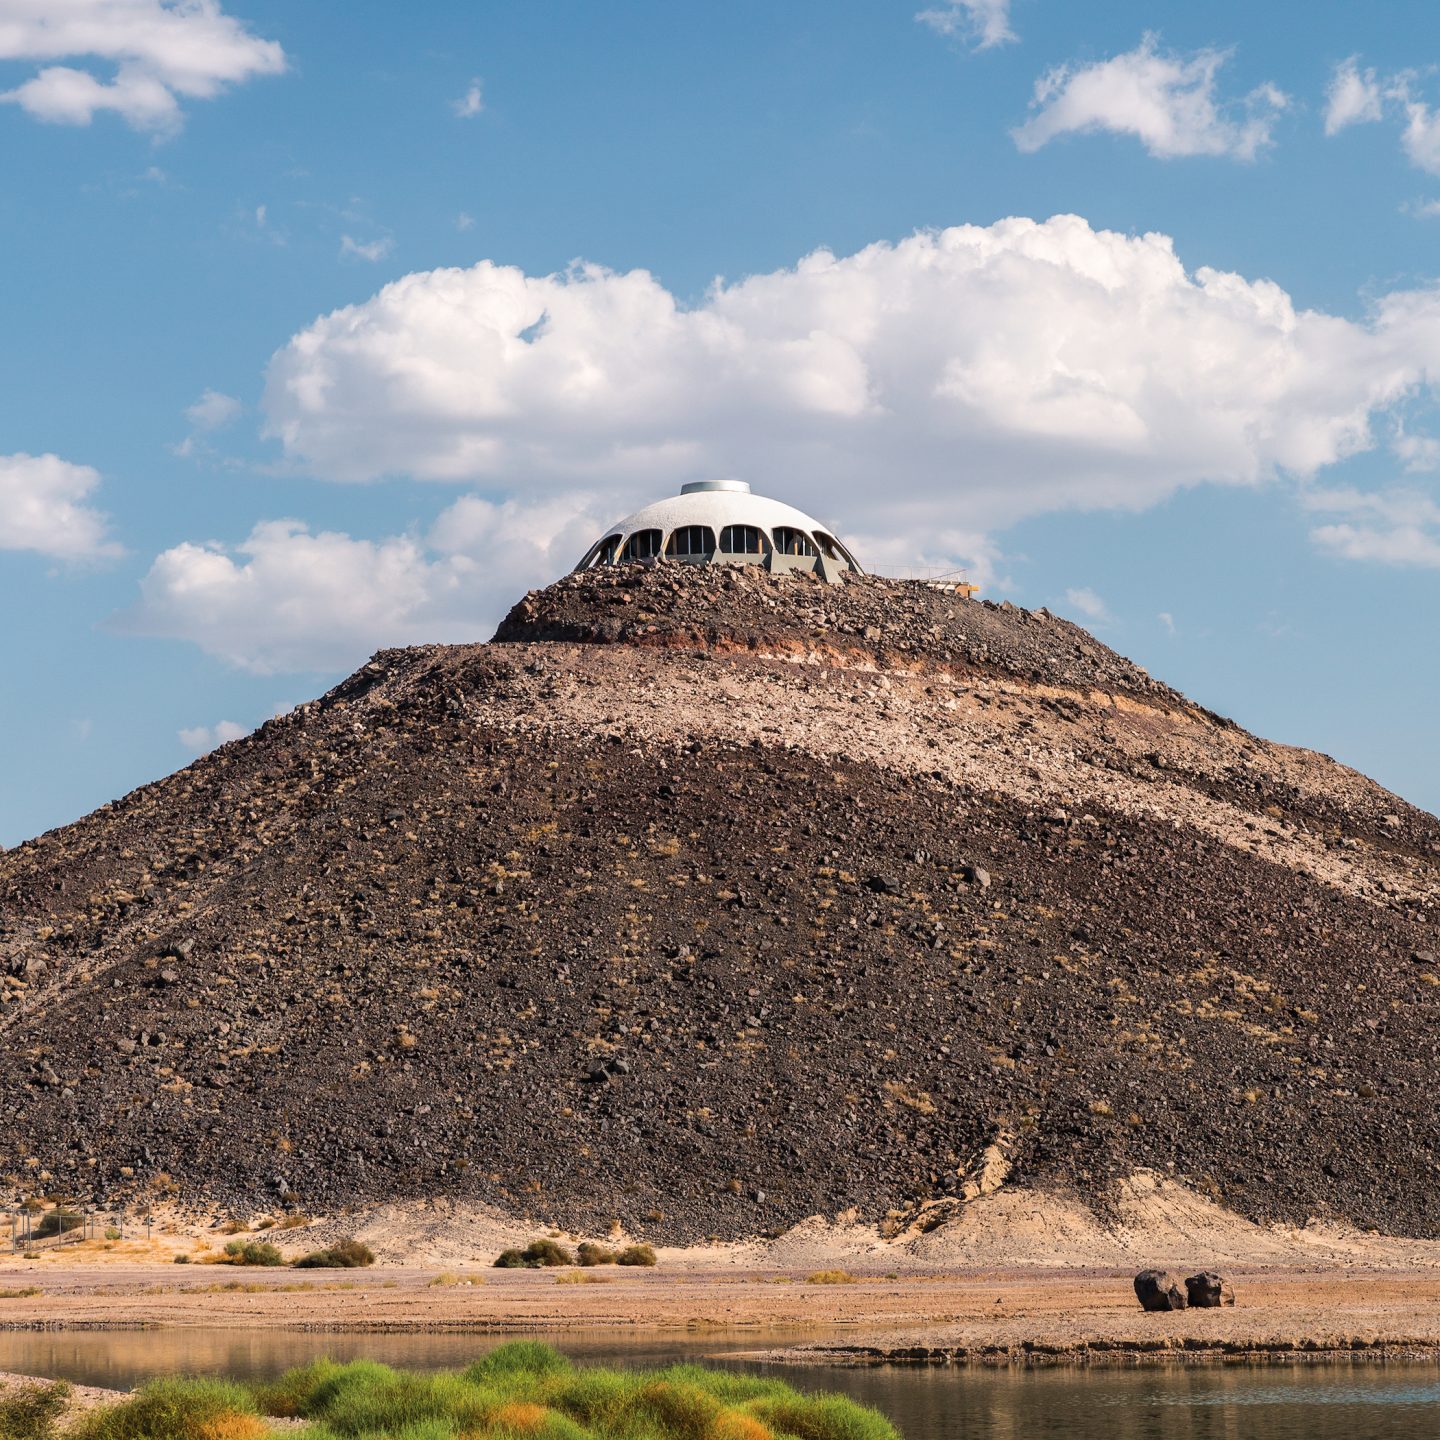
719	522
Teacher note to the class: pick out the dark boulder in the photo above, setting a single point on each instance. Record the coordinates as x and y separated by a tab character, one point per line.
1208	1291
1159	1290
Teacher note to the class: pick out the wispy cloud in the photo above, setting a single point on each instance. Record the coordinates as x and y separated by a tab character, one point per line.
1169	102
371	250
201	739
980	23
1358	97
1088	603
1397	526
1354	97
471	103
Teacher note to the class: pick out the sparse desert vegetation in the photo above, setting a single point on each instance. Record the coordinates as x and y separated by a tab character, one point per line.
537	1255
251	1252
637	1255
31	1412
347	1254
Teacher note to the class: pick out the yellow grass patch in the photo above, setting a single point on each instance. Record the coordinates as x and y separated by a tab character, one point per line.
233	1425
519	1416
733	1425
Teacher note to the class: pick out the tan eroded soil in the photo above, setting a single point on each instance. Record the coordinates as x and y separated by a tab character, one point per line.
996	1315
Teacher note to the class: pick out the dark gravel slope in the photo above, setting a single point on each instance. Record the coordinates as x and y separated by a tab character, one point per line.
406	941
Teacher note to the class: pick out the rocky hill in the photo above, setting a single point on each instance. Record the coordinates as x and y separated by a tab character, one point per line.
709	900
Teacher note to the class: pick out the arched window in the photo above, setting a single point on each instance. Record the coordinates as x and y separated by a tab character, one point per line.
606	551
790	541
691	542
835	550
642	545
742	540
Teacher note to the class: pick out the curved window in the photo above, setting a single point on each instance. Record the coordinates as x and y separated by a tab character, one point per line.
835	550
642	545
604	553
742	540
790	541
691	542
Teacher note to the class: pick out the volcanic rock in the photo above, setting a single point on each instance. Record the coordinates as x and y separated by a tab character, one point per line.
1160	1290
1208	1291
568	922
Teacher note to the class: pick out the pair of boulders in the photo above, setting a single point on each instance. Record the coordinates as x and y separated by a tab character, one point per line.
1162	1290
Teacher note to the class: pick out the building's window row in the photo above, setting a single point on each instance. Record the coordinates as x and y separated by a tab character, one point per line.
697	542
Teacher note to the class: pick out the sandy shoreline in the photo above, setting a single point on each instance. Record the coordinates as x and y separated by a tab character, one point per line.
977	1318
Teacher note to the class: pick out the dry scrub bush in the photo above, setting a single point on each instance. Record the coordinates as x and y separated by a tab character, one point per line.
537	1255
637	1255
347	1254
252	1252
30	1412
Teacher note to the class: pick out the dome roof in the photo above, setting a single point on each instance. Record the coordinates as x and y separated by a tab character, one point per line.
721	522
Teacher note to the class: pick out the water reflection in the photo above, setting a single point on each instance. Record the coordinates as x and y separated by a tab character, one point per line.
1329	1402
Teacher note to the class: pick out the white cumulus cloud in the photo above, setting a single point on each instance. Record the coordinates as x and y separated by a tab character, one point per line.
44	507
1169	102
965	378
152	54
983	23
291	599
201	739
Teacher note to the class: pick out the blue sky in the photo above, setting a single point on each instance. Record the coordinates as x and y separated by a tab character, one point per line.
1196	416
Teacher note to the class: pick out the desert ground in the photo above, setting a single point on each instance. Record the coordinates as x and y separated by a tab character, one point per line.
1016	1278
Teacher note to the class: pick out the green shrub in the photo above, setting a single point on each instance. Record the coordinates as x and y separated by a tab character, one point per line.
373	1400
637	1255
113	1232
520	1391
822	1417
253	1252
171	1409
518	1357
286	1397
537	1255
347	1254
590	1253
182	1258
30	1412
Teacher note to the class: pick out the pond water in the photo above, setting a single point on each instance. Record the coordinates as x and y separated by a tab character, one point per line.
1319	1402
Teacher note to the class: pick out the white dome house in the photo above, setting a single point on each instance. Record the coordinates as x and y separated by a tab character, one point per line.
719	522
